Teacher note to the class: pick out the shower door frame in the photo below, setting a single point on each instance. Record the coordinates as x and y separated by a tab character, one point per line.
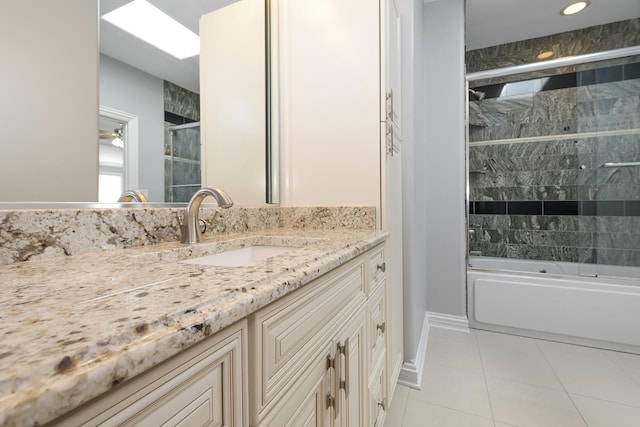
519	69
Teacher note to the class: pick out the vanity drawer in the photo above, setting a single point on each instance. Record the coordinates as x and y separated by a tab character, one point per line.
378	401
376	268
291	331
377	322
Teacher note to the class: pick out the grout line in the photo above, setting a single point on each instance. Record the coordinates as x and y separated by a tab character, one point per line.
561	383
451	409
484	375
624	371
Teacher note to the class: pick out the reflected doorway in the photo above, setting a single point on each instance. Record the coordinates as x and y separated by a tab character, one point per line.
118	154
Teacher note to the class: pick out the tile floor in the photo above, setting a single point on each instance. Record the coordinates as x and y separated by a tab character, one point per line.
489	379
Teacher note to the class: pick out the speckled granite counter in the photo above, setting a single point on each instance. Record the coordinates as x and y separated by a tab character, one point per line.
74	327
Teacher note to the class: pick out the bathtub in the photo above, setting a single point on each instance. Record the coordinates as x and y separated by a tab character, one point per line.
577	303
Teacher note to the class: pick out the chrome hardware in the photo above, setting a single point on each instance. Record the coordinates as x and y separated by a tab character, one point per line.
331	401
389	133
382	267
331	362
542	270
619	165
382	327
133	196
344	351
389	122
189	229
382	404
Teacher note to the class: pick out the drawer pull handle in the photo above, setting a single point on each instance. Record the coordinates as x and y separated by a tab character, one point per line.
382	327
382	267
331	362
382	404
344	383
331	401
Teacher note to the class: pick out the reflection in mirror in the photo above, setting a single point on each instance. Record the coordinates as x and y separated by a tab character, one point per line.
51	153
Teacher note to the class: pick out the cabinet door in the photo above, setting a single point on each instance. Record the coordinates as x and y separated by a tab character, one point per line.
203	386
351	372
306	402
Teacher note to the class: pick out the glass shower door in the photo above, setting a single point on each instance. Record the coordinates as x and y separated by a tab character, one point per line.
182	162
609	120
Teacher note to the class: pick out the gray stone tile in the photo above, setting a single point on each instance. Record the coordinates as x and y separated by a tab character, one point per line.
555	192
618	240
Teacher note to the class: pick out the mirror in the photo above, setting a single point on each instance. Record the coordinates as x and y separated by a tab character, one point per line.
63	90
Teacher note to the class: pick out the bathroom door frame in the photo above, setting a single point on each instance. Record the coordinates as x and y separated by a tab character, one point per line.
130	133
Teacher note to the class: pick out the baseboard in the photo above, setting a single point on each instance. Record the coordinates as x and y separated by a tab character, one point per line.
411	372
447	321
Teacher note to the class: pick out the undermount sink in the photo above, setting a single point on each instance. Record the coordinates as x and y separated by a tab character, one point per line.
241	257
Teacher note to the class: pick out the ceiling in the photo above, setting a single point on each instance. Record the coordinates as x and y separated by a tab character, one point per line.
488	23
494	22
130	50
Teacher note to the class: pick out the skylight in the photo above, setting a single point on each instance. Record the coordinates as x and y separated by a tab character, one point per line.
148	23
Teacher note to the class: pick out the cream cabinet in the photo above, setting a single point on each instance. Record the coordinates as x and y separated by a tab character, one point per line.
203	386
317	354
315	357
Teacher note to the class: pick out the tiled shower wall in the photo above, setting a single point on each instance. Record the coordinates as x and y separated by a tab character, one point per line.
552	200
182	164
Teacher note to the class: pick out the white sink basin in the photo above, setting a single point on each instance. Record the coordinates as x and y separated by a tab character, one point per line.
241	257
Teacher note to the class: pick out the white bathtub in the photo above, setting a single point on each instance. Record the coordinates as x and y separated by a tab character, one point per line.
552	300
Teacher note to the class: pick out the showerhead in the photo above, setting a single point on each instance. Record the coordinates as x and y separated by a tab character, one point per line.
478	95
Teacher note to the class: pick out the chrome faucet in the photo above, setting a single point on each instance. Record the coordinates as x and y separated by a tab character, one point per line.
133	196
190	230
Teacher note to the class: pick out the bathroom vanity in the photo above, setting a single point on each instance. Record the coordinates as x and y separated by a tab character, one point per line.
136	336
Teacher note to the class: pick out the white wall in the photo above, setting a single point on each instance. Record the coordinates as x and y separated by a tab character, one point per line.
128	89
444	166
49	59
414	192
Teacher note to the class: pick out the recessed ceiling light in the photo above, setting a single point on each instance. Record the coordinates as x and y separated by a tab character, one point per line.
148	23
573	8
546	54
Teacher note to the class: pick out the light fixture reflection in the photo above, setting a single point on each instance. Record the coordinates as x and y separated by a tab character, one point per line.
545	55
148	23
574	8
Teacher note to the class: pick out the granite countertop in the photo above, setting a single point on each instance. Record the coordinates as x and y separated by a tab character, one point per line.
74	327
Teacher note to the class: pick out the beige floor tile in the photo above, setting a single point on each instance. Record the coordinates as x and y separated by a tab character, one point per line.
423	414
626	361
529	368
561	351
401	390
396	411
591	373
455	353
506	342
526	405
451	335
454	388
599	413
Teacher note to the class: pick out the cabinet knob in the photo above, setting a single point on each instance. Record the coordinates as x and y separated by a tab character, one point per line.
382	404
382	267
382	327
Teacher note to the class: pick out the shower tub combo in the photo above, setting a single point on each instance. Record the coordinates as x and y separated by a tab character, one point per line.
553	191
551	300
